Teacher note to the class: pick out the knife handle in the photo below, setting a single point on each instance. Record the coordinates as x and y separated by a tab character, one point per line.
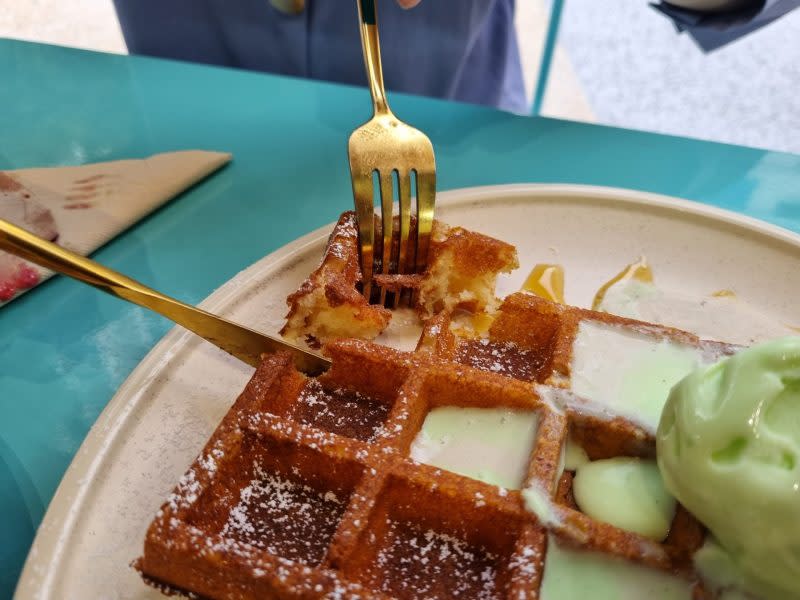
242	342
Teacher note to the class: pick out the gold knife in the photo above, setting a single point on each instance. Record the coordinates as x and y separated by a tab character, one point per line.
245	344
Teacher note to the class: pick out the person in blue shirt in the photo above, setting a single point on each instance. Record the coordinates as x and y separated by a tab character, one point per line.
458	49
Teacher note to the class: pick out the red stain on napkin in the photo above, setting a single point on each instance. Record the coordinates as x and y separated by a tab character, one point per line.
21	278
18	206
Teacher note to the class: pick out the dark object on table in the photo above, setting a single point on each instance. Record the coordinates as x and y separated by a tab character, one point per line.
714	30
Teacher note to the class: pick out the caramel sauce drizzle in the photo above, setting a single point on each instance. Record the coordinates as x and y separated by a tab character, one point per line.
638	271
546	281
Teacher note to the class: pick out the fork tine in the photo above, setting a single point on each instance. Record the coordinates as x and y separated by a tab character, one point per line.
387	200
426	196
387	146
365	212
404	193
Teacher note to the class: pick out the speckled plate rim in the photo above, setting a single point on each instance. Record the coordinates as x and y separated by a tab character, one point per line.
51	544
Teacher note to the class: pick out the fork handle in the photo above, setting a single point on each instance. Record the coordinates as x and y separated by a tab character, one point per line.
368	26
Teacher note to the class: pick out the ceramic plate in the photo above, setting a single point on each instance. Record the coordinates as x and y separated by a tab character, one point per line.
162	415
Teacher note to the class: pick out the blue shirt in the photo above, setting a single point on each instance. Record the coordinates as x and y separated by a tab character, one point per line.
464	50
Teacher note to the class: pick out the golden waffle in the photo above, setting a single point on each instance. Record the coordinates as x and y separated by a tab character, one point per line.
328	303
462	271
534	340
306	489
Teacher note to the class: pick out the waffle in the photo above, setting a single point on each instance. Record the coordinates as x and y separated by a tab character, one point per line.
306	489
462	271
328	304
536	340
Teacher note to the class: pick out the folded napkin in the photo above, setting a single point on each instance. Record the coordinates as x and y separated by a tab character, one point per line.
712	30
81	208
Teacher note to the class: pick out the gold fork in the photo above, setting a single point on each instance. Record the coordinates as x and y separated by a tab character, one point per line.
388	148
245	344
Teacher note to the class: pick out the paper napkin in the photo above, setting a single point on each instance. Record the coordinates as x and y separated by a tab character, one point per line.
83	207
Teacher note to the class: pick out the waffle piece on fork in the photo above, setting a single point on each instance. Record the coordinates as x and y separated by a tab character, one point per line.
461	274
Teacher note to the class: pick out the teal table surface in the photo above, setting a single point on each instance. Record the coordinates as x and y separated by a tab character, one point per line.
65	348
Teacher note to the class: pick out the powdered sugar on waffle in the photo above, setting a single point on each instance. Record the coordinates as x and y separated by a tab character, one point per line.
285	518
526	561
340	411
347	232
421	562
505	358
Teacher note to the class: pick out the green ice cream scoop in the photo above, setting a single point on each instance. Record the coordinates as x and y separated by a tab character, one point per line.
729	450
